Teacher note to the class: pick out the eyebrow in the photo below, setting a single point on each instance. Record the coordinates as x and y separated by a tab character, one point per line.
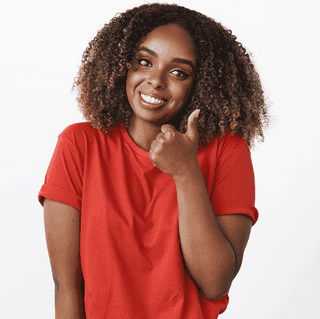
177	60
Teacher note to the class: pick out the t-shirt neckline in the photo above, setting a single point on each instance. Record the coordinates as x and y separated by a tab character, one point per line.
131	142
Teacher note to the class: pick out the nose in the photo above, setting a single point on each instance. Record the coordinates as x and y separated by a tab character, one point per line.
157	79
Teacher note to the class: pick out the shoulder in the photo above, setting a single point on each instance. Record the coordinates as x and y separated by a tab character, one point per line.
77	129
224	145
85	128
231	143
84	136
81	133
76	137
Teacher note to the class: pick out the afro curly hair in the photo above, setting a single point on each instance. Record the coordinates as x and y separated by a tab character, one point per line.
226	87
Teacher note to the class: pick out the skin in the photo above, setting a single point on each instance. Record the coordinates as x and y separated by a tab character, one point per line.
157	72
212	246
62	227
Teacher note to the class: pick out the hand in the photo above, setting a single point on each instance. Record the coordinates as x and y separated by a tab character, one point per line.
175	153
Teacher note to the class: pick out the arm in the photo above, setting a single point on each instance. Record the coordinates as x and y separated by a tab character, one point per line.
62	227
212	246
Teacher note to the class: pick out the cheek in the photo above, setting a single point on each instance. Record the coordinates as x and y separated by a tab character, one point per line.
183	91
129	80
134	78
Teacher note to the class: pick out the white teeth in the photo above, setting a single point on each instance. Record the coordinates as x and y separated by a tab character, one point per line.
150	99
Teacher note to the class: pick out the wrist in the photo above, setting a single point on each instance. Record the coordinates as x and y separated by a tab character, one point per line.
188	174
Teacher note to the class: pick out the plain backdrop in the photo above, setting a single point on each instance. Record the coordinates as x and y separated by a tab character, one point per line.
41	47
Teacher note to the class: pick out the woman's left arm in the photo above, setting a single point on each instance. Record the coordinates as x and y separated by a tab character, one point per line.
212	246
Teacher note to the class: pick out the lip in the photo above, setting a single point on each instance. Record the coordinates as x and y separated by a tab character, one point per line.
154	106
155	96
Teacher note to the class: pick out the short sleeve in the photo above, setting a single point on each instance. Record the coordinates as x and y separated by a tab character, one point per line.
63	180
233	190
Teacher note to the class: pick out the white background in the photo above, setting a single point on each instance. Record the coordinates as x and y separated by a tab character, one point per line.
41	47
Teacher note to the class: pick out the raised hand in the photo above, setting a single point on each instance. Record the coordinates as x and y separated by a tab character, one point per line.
175	153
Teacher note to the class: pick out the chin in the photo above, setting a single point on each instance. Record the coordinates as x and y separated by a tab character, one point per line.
176	119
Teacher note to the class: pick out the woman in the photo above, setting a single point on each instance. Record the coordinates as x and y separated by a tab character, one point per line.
149	205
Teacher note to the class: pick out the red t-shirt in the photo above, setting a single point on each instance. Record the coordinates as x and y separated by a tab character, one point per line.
129	237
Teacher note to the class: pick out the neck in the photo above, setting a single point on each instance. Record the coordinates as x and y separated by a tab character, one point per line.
143	133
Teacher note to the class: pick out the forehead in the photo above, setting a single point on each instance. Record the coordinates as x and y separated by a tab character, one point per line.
170	40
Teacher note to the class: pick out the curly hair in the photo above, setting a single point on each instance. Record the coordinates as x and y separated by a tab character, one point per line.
226	87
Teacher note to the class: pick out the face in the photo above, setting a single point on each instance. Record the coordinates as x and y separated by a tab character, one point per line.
160	79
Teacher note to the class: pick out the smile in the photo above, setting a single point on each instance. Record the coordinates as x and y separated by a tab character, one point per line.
152	100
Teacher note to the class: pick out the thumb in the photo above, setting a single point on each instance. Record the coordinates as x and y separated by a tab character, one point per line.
192	130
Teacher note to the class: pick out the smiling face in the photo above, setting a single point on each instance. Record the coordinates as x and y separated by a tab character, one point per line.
161	75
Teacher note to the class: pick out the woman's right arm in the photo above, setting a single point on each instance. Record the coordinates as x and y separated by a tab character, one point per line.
62	228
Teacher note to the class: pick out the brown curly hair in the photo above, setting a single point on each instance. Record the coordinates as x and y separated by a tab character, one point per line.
226	87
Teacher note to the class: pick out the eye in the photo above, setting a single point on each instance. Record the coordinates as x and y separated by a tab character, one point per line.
180	74
144	62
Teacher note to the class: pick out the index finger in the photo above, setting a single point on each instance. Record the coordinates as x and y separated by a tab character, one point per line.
167	128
